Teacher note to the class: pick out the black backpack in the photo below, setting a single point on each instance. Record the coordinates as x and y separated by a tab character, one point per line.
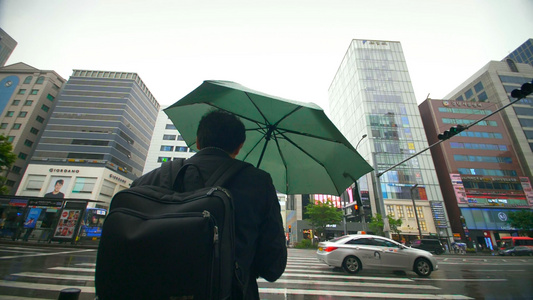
160	242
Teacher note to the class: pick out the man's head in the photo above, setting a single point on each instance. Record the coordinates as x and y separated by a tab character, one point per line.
59	184
222	130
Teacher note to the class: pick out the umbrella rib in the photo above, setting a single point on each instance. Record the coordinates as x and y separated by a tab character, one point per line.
308	154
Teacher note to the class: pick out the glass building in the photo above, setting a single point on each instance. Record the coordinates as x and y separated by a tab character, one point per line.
522	54
7	45
372	103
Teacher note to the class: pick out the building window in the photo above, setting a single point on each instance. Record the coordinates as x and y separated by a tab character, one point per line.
180	138
39	119
423	226
399	209
419	212
390	210
16	169
169	137
84	185
167	148
469	94
35	182
10	183
28	79
170	126
10	113
108	188
22	91
34	92
3	126
50	97
28	143
23	114
512	65
482	97
45	108
163	159
478	87
34	130
40	80
28	102
410	212
16	102
16	126
181	149
22	155
11	138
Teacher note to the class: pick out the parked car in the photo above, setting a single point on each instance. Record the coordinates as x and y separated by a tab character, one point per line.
361	251
431	245
517	251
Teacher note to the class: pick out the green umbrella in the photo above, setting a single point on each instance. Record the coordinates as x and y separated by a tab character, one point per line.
295	142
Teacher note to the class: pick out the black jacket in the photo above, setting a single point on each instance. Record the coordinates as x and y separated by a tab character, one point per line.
260	241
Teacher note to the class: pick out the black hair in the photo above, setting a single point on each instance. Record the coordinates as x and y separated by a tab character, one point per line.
221	129
60	181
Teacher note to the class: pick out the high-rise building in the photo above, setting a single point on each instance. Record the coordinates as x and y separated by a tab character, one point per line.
372	102
522	54
480	175
97	139
7	45
494	82
27	99
167	144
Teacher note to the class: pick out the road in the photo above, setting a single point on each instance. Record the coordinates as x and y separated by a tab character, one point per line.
40	272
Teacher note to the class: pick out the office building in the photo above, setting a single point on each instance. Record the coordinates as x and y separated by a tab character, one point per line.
372	102
167	143
523	54
479	171
97	139
27	99
7	45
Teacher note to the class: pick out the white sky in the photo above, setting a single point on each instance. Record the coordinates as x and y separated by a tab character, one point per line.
290	49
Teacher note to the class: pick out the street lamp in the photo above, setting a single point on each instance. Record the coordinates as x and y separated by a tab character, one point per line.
357	191
416	213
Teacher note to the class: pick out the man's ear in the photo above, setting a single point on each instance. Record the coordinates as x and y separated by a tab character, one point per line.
198	144
236	152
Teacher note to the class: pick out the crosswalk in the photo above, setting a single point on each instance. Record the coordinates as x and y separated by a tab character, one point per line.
305	278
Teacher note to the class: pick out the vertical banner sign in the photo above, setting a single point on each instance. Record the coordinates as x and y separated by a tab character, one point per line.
528	191
32	218
459	188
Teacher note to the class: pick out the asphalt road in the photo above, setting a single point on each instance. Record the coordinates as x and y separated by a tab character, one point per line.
36	271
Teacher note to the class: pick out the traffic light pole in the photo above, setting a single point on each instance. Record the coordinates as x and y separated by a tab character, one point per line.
465	128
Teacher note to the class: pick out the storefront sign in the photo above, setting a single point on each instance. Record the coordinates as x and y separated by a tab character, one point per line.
67	223
54	170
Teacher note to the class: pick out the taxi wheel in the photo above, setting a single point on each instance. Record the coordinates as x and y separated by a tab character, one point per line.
351	264
422	267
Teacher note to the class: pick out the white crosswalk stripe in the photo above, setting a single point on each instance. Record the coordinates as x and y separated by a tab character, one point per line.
304	278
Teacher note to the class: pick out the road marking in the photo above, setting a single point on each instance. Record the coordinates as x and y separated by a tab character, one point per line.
19	298
295	272
47	254
72	269
330	294
458	279
55	276
43	286
353	283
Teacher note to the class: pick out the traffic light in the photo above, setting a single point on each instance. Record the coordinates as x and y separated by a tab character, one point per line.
526	89
449	133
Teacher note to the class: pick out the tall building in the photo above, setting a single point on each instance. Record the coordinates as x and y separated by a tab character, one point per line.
480	175
167	144
27	99
522	54
7	45
97	139
372	103
494	82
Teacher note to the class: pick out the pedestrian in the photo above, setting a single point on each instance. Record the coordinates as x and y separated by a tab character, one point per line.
260	244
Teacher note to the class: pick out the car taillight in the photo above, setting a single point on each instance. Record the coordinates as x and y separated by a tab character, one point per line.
329	249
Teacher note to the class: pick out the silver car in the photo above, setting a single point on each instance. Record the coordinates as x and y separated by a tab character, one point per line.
360	251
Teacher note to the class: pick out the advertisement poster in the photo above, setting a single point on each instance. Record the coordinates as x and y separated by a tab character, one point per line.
459	188
32	218
56	187
67	223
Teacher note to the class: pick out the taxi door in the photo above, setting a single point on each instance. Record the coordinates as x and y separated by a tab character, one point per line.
392	256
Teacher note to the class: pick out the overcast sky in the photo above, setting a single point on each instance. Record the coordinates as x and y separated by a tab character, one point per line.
290	49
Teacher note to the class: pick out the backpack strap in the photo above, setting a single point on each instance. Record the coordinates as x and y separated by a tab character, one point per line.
225	172
169	172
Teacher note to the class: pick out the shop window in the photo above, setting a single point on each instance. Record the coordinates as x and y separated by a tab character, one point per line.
84	185
35	182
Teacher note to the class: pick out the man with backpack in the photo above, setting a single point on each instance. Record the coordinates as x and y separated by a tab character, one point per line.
260	246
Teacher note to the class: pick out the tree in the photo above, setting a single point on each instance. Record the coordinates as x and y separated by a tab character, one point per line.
7	158
522	220
376	224
322	214
395	224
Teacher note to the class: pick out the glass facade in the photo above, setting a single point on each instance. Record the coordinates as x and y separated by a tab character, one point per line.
372	94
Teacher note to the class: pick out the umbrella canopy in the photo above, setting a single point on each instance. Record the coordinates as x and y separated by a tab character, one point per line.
295	142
